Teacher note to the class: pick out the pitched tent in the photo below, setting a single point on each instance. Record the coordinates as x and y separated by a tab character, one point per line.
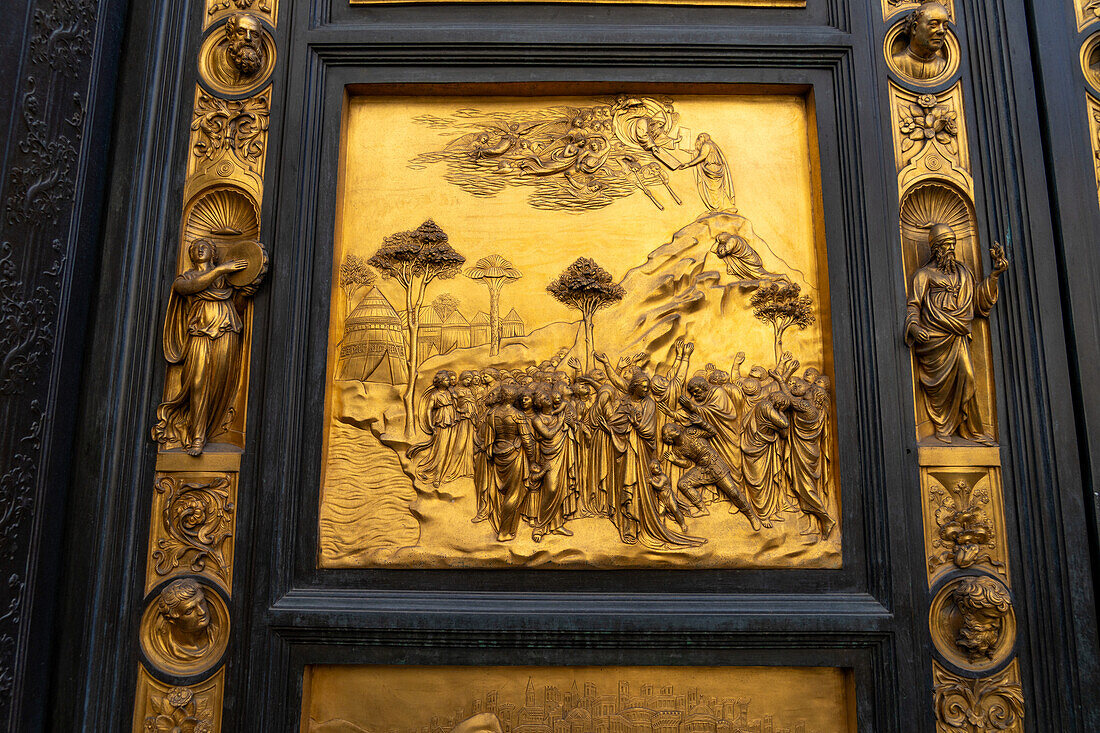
430	335
480	329
456	333
373	349
512	325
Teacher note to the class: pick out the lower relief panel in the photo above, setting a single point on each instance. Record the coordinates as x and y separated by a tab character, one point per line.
411	699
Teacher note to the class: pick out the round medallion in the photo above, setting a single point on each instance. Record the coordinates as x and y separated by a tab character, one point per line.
238	56
1090	61
185	628
921	49
972	623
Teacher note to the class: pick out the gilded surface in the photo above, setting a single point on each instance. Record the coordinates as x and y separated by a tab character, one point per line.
191	530
891	8
185	628
217	10
240	58
188	708
965	705
963	521
205	339
945	321
972	622
228	142
920	48
929	141
1088	12
618	348
579	699
1093	107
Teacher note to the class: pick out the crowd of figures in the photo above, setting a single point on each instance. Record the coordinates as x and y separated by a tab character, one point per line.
646	449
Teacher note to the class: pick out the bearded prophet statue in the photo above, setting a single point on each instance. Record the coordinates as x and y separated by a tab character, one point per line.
944	300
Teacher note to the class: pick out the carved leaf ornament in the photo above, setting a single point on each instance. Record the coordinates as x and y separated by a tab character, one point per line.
197	519
237	126
927	120
178	711
977	706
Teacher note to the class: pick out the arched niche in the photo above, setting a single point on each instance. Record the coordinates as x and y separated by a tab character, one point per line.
223	214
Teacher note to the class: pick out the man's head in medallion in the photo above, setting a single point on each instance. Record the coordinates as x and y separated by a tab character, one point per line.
244	47
183	605
927	30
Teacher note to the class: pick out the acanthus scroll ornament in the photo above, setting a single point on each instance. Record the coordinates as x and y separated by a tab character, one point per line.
197	519
983	705
225	126
966	534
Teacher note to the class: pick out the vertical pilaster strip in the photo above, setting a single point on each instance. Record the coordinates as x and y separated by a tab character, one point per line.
972	625
200	425
1088	15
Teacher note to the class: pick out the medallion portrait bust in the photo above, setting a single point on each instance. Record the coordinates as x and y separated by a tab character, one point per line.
924	55
186	628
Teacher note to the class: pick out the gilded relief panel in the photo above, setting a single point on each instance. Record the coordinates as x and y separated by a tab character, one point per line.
964	525
191	530
580	332
411	699
946	322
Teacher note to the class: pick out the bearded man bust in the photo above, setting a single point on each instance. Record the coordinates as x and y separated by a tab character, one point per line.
944	300
244	50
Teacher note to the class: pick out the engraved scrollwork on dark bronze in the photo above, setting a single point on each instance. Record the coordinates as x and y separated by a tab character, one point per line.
196	526
964	705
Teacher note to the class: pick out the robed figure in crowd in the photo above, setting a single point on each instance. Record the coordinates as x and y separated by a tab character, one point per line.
944	301
203	334
446	415
647	451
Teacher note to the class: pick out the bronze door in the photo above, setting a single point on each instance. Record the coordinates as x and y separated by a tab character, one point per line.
578	367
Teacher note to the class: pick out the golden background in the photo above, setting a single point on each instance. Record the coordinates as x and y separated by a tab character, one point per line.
769	142
354	699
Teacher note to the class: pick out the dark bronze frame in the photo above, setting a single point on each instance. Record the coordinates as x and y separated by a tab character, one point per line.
870	617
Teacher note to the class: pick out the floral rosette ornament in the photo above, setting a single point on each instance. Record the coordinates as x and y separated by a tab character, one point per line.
177	711
927	121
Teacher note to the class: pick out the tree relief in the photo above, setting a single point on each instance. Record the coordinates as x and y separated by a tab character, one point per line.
535	375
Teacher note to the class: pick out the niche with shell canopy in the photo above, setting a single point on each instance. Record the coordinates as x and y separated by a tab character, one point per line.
924	205
224	215
227	216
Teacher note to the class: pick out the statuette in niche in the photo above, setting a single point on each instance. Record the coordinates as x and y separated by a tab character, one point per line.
203	334
944	300
924	56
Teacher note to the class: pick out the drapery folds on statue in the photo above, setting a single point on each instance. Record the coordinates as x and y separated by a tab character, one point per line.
944	301
203	334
